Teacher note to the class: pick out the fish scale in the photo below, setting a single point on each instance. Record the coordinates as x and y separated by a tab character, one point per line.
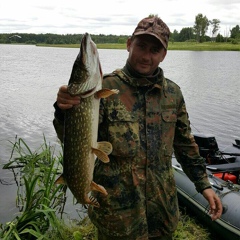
80	146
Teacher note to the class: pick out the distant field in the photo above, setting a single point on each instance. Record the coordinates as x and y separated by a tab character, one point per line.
191	46
207	46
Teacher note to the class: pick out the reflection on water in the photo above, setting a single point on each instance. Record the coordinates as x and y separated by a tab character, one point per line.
30	77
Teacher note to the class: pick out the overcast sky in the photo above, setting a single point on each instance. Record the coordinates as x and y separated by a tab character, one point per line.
110	16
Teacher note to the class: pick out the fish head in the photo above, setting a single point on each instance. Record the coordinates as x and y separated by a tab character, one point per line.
86	76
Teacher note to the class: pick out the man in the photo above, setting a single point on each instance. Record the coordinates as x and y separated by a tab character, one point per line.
145	122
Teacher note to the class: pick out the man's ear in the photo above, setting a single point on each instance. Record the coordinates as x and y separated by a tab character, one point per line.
164	54
129	41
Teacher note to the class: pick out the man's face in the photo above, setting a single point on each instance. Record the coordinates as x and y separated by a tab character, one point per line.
145	53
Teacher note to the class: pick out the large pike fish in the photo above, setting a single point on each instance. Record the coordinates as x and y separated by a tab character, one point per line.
80	146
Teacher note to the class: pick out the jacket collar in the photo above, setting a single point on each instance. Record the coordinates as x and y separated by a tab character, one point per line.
129	75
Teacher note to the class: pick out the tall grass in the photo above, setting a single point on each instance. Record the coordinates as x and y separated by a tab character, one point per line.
39	200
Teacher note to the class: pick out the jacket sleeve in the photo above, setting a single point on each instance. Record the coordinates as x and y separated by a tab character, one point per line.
58	121
186	150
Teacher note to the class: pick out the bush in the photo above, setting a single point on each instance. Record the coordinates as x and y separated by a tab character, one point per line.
191	40
234	41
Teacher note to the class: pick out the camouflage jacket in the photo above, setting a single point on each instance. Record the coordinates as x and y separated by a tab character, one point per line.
146	123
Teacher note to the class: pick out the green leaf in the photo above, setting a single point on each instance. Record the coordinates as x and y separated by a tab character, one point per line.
77	235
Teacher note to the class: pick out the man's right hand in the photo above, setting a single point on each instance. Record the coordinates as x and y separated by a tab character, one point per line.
65	100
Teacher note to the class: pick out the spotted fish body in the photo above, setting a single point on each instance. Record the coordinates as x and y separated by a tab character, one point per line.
81	125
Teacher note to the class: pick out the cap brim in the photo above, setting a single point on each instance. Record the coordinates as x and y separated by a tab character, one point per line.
152	34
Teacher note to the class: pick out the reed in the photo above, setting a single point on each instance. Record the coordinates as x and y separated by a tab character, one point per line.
39	200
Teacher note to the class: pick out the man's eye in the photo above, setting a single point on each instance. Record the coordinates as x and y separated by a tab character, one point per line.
141	46
155	50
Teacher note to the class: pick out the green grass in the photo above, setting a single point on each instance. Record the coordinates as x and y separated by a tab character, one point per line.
188	228
192	46
206	46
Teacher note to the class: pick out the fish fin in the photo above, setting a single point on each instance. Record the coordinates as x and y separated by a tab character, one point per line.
104	93
60	180
92	201
85	206
99	188
104	146
102	151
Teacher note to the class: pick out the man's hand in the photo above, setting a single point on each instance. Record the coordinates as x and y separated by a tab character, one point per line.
214	203
65	100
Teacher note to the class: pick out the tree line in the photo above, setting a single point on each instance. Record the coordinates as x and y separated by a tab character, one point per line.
50	38
200	29
199	33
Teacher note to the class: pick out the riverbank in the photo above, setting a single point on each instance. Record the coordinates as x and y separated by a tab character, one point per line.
190	46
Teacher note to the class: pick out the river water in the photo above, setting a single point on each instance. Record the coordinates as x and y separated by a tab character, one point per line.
30	77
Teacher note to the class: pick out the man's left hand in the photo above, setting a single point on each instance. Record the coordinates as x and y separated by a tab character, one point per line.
215	204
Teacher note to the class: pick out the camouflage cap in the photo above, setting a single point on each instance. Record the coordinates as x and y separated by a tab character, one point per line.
154	26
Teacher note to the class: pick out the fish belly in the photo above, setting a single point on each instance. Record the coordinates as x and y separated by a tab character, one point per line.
81	125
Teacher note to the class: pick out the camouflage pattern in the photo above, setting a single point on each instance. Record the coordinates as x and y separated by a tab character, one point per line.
145	123
154	26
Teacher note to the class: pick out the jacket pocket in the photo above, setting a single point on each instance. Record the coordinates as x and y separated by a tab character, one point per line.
123	133
169	116
169	119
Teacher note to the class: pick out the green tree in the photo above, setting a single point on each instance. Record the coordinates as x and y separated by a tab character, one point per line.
219	38
186	34
174	36
152	15
201	26
122	40
235	32
215	26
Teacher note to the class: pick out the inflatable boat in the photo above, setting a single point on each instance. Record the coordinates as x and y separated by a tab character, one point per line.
223	168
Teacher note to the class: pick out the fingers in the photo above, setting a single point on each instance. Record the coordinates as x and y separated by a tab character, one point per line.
65	100
215	204
215	208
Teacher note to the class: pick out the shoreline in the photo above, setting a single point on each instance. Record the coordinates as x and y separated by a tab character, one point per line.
190	46
178	46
